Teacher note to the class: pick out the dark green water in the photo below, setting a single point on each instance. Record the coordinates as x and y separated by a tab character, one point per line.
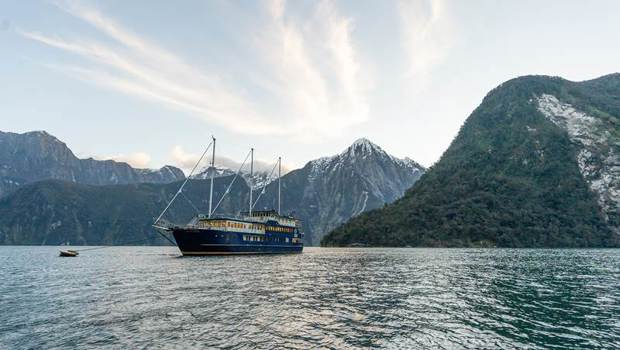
147	297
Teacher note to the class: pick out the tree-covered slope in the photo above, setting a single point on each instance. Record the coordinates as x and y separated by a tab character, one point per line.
521	173
54	212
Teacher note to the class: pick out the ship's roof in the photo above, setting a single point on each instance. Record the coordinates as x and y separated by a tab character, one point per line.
261	213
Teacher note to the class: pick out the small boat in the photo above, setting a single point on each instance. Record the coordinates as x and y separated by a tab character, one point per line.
69	253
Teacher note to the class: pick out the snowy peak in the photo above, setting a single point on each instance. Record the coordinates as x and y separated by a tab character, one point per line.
365	143
363	150
216	171
362	147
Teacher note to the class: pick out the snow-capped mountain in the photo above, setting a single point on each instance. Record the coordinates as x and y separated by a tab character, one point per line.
37	155
328	191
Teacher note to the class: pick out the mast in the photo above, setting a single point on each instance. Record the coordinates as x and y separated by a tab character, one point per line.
212	176
279	185
251	174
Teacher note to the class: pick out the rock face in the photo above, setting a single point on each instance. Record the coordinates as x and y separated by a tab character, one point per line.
535	165
598	154
323	194
35	156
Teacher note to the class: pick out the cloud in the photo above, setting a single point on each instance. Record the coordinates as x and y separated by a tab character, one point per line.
184	160
142	69
427	34
187	160
139	160
311	70
316	69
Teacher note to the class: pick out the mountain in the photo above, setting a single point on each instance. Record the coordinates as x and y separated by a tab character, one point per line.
535	165
37	155
323	194
328	191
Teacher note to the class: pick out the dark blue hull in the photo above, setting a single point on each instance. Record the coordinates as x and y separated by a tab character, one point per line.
212	242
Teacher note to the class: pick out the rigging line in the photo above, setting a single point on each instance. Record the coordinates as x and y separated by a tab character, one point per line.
116	245
231	183
190	203
184	182
265	185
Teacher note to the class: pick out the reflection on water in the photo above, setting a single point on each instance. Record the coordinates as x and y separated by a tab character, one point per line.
332	298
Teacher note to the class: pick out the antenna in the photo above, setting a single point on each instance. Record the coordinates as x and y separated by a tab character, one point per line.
279	183
212	176
251	174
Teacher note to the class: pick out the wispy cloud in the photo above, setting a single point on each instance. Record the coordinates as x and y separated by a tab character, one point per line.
427	34
140	68
316	69
312	71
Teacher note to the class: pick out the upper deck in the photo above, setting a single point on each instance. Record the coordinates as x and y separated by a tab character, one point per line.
264	216
259	222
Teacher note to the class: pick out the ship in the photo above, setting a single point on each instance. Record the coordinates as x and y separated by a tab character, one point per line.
249	232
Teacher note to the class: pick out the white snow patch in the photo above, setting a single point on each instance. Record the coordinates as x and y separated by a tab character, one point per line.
365	195
598	158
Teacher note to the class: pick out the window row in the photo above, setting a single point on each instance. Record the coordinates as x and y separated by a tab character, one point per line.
231	224
280	229
251	238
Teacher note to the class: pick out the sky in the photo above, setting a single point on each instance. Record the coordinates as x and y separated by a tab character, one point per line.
149	82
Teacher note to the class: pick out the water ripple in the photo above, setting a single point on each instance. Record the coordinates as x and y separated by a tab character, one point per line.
148	297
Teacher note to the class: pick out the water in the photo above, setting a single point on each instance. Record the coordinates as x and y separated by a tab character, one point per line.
148	297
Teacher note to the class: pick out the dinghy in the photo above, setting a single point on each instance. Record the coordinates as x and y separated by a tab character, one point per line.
69	253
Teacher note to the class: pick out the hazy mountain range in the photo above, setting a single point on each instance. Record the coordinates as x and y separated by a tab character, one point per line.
52	197
37	155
